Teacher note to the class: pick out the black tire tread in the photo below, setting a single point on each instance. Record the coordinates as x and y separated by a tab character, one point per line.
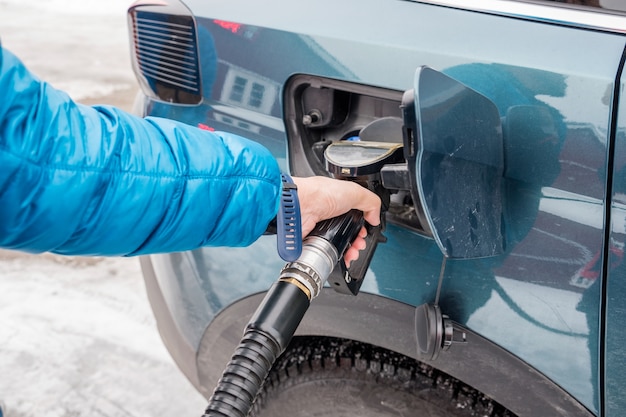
310	359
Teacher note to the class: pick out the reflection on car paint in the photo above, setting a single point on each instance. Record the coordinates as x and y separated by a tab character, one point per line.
547	285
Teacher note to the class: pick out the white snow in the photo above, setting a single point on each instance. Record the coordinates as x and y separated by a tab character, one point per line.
69	7
77	336
79	46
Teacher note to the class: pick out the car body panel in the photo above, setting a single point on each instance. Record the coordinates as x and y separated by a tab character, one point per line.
615	286
539	300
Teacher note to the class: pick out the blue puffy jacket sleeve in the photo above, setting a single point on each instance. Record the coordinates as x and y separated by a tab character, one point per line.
87	180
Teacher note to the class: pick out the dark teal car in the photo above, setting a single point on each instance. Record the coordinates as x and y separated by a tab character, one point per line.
498	292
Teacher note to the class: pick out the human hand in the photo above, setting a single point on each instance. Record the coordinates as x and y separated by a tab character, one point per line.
323	198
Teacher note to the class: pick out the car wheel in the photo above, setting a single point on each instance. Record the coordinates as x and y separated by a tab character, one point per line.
333	377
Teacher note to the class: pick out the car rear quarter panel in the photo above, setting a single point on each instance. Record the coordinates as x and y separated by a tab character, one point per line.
538	300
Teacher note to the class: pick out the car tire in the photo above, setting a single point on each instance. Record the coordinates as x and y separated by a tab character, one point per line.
333	377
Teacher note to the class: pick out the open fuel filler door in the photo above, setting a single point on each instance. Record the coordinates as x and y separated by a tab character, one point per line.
455	156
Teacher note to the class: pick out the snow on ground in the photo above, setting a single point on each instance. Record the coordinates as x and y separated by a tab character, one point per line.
79	46
77	336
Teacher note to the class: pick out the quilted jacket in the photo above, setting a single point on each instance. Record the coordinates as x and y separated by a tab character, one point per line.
76	179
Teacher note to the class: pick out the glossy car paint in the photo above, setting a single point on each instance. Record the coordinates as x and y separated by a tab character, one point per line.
542	299
614	289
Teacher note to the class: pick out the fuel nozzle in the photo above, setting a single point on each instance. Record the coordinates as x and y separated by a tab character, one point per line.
362	161
321	252
275	321
301	281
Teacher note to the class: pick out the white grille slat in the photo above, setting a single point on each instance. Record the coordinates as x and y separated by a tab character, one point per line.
167	52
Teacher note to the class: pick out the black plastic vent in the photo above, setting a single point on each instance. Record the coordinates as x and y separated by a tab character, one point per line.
166	56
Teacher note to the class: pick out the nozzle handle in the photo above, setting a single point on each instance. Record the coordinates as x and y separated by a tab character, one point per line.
348	280
340	231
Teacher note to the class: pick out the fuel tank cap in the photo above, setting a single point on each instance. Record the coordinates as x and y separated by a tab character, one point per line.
357	158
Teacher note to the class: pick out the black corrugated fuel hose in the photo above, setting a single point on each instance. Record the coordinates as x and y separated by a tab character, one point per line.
275	321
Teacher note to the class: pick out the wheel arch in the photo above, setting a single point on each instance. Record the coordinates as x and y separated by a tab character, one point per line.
390	324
